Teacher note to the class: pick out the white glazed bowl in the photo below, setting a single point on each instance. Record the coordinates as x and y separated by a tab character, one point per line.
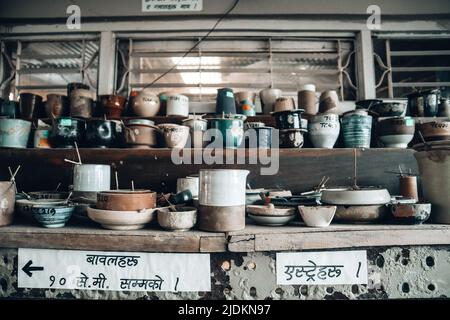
318	216
272	221
396	141
121	220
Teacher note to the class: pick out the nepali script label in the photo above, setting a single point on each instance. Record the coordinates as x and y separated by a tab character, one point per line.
171	5
316	268
118	271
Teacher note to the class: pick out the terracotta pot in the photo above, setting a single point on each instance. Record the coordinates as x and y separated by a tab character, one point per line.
307	99
268	98
175	136
328	102
112	105
435	130
408	187
141	133
30	106
396	132
146	104
7	201
56	106
126	200
284	104
81	103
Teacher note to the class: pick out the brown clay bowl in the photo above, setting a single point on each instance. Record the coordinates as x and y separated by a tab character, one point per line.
126	200
435	130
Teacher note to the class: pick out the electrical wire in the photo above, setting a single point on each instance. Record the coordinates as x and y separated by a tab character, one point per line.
195	45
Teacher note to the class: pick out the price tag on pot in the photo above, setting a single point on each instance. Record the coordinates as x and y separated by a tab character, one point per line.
118	271
66	122
332	267
409	122
171	5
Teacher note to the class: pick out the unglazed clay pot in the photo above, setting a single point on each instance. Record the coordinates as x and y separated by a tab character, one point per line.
284	104
126	200
307	99
146	104
396	132
324	130
81	103
56	106
268	98
7	201
175	136
329	102
364	213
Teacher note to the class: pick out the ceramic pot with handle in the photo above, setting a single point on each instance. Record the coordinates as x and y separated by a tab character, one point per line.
91	177
222	200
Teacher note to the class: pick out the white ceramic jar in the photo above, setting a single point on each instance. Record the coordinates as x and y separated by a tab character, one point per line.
91	177
324	130
222	187
177	105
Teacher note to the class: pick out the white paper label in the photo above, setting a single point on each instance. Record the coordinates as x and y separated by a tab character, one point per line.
334	267
171	5
119	271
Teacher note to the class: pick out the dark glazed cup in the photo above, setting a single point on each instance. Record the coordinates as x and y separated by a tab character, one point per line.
101	134
30	106
66	131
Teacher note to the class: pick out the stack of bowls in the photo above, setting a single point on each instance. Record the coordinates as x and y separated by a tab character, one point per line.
291	126
357	129
270	215
123	209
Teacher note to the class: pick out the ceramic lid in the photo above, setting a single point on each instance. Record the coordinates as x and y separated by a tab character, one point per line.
141	121
307	87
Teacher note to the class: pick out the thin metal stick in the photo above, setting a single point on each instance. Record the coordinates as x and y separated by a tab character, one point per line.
78	152
57	187
117	180
132	185
70	161
400	169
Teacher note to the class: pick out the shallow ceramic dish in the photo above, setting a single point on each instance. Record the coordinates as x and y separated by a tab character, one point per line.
121	220
317	216
126	200
269	210
411	213
388	109
272	221
183	219
52	216
371	213
361	197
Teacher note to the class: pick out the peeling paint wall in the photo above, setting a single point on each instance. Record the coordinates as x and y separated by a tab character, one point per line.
406	272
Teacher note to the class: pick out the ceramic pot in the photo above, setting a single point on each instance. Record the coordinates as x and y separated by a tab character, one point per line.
291	119
7	201
444	108
141	133
434	168
358	197
357	129
91	177
435	130
225	103
181	197
291	138
260	137
52	216
75	85
364	213
367	104
9	109
147	104
30	106
388	109
81	103
424	103
183	219
112	105
41	138
56	106
230	130
126	200
317	216
121	220
177	105
247	108
14	133
222	200
284	104
396	132
66	131
307	99
324	130
408	187
101	134
175	136
245	95
197	127
189	183
329	102
411	213
163	102
268	98
24	206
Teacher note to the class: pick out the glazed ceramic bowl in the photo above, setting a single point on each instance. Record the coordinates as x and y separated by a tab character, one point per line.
363	196
269	210
435	130
411	213
183	219
101	134
365	213
66	131
291	138
175	136
272	221
268	98
121	220
24	206
146	104
14	133
367	104
112	105
52	216
317	216
388	109
396	132
126	200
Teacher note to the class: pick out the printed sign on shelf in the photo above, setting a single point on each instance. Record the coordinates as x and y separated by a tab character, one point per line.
119	271
333	267
171	5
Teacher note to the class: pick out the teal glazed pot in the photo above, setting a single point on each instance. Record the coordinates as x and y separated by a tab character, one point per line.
225	102
14	133
357	129
52	216
9	109
247	108
231	130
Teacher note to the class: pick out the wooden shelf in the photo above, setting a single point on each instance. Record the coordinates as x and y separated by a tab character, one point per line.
252	238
